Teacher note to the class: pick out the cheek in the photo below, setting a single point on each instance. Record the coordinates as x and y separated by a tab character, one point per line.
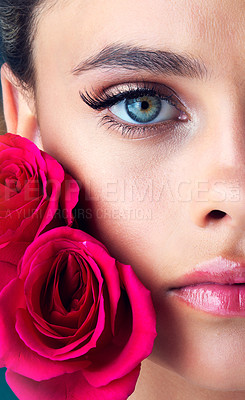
132	216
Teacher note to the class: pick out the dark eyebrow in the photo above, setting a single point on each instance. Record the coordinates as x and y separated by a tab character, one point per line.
137	58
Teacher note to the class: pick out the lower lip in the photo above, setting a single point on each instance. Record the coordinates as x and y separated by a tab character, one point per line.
226	300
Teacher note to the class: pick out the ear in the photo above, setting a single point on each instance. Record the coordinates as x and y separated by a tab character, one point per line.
18	106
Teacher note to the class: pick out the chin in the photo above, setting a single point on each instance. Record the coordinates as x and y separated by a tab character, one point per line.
215	379
199	349
213	371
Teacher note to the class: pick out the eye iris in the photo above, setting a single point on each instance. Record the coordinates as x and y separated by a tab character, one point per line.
143	109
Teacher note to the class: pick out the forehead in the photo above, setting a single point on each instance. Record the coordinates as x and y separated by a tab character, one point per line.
211	29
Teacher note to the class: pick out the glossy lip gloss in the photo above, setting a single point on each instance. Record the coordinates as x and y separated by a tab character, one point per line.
216	286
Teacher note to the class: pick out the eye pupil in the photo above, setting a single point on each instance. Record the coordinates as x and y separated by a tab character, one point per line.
144	105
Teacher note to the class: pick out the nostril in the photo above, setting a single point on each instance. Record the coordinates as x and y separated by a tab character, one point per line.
216	214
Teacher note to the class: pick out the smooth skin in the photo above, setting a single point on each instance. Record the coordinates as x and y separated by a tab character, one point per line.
150	197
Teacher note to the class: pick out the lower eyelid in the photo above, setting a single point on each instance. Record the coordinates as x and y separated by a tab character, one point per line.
137	131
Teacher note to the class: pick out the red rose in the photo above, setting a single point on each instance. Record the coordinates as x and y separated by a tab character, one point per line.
75	323
31	185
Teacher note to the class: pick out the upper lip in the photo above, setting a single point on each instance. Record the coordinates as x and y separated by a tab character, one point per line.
219	270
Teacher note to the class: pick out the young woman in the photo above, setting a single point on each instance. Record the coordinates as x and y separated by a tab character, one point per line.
144	104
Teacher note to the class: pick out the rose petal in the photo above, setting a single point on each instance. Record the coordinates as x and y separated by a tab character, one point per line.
45	346
31	185
71	387
13	352
69	197
7	272
141	341
110	273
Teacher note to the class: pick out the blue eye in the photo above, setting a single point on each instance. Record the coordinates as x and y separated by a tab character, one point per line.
140	111
145	109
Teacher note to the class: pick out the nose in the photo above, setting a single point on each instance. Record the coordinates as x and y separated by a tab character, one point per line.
219	176
217	202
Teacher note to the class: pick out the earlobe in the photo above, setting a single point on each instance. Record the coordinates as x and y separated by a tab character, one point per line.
19	117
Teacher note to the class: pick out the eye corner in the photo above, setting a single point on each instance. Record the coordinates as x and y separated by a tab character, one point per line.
184	116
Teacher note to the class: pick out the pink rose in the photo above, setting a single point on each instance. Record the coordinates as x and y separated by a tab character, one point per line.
31	185
75	323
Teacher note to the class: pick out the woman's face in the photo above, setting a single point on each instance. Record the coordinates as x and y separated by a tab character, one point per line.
153	171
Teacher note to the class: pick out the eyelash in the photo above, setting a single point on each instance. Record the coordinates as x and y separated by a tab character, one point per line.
106	100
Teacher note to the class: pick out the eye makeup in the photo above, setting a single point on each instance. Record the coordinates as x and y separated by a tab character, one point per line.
140	97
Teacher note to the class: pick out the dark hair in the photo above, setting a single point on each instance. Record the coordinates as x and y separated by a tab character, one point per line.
18	21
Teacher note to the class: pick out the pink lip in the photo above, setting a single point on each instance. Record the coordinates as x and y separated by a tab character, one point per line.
216	286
